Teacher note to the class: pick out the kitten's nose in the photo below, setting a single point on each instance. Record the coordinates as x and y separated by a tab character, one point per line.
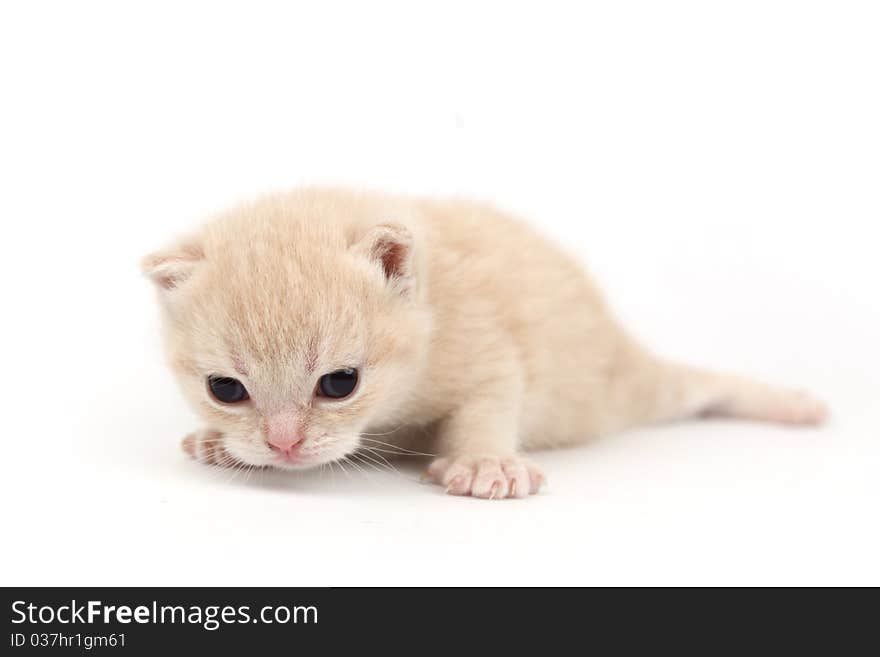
287	443
284	432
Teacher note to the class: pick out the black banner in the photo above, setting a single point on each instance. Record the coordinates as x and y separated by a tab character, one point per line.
150	620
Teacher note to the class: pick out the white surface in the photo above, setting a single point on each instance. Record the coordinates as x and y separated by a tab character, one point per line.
717	167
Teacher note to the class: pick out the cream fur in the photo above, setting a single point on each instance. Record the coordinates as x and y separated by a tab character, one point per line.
476	339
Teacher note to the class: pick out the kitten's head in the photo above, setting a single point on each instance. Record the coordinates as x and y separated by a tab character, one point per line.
294	323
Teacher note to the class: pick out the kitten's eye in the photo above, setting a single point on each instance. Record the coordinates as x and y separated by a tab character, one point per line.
227	390
338	384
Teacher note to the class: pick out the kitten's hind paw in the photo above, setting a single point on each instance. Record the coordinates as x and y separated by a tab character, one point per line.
488	477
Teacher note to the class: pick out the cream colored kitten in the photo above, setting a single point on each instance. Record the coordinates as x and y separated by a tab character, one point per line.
303	324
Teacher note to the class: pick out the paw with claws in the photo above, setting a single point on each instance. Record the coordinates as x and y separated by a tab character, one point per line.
206	446
489	477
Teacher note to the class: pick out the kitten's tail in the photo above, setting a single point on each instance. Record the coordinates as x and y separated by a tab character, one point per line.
643	389
684	392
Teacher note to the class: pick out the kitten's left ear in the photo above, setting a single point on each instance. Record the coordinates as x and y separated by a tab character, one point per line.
170	268
391	246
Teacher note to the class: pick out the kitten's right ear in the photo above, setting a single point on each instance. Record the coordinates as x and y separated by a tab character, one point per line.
391	247
170	268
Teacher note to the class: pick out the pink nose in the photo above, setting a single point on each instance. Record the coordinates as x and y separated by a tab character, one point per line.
286	443
284	432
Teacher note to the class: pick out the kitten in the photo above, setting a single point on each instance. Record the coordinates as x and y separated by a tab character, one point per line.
303	324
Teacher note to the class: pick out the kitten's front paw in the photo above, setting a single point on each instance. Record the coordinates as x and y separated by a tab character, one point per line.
206	446
489	477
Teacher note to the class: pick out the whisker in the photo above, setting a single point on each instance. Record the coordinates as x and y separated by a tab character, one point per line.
386	466
397	447
239	470
372	458
383	434
357	467
339	463
366	463
394	452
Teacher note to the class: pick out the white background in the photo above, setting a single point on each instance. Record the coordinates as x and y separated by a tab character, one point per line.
715	164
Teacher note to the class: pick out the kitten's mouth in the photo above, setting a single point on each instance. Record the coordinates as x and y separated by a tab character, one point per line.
293	460
296	461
